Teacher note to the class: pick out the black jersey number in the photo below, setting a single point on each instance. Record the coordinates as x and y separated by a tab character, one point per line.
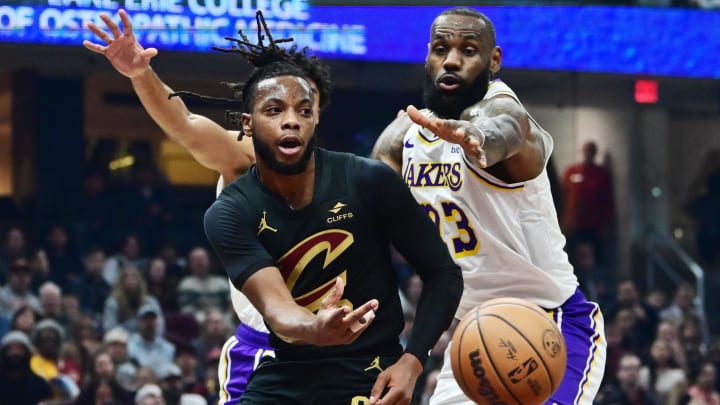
465	243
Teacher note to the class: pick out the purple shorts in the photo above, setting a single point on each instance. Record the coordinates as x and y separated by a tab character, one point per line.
240	356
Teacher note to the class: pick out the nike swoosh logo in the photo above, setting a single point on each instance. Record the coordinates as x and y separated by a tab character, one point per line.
408	144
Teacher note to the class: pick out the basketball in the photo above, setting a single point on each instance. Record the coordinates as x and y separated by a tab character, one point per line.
508	351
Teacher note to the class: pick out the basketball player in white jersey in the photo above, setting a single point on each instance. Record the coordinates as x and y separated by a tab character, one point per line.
216	148
476	160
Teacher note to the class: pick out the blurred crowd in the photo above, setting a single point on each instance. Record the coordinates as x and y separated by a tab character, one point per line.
114	306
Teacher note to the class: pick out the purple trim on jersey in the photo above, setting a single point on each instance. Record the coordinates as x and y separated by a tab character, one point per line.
581	323
241	354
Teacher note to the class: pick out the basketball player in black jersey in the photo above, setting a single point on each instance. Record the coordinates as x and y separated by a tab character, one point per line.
305	234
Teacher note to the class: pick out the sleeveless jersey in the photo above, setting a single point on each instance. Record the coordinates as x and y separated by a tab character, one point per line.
245	311
505	237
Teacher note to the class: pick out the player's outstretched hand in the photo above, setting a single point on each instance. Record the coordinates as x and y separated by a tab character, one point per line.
338	324
463	133
122	50
397	382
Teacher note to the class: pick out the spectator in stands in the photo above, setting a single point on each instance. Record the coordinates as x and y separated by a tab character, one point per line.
48	338
683	306
662	375
169	379
588	209
127	256
91	287
62	255
17	380
116	345
595	281
149	204
186	358
161	286
626	388
13	248
200	290
41	271
146	346
103	371
85	336
149	394
174	264
24	319
50	297
704	388
692	341
128	296
214	333
627	296
16	292
667	331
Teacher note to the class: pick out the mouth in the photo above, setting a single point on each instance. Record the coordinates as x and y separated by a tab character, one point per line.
290	145
448	82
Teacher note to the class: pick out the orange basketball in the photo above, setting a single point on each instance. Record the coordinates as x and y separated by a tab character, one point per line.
508	351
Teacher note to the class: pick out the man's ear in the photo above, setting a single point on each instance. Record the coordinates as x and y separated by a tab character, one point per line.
246	124
495	60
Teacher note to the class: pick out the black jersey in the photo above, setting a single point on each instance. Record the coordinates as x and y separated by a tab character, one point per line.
359	207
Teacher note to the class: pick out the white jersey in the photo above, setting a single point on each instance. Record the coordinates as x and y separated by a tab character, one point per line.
505	237
244	310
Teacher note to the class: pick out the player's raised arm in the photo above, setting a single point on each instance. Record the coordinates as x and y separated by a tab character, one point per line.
492	131
210	144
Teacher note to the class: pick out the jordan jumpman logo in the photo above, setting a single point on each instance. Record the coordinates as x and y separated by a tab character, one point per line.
263	225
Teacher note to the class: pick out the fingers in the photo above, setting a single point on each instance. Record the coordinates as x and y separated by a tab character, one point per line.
127	24
94	47
482	158
99	32
378	388
419	118
149	53
111	25
362	316
334	297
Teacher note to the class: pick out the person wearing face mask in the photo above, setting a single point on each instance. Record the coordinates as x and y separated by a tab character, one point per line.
18	383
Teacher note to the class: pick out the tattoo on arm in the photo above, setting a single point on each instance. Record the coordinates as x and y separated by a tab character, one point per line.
389	146
504	124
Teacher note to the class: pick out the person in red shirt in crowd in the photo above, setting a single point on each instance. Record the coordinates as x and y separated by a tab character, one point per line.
589	209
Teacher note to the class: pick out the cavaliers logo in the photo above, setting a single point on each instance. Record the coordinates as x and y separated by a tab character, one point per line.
331	244
551	342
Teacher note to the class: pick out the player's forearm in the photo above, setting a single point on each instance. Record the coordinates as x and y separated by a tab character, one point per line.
291	323
170	114
501	139
438	302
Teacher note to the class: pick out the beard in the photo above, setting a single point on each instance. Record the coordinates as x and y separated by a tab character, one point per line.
14	362
264	152
450	104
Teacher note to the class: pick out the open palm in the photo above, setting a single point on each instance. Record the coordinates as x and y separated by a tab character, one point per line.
122	50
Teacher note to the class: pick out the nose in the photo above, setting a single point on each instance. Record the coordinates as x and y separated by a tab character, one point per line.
453	60
290	120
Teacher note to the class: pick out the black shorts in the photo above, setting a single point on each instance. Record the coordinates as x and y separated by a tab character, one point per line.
342	381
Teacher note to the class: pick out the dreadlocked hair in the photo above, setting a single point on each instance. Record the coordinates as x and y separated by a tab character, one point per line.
269	61
315	70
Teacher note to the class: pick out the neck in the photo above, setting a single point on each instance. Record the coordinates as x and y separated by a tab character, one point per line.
296	190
